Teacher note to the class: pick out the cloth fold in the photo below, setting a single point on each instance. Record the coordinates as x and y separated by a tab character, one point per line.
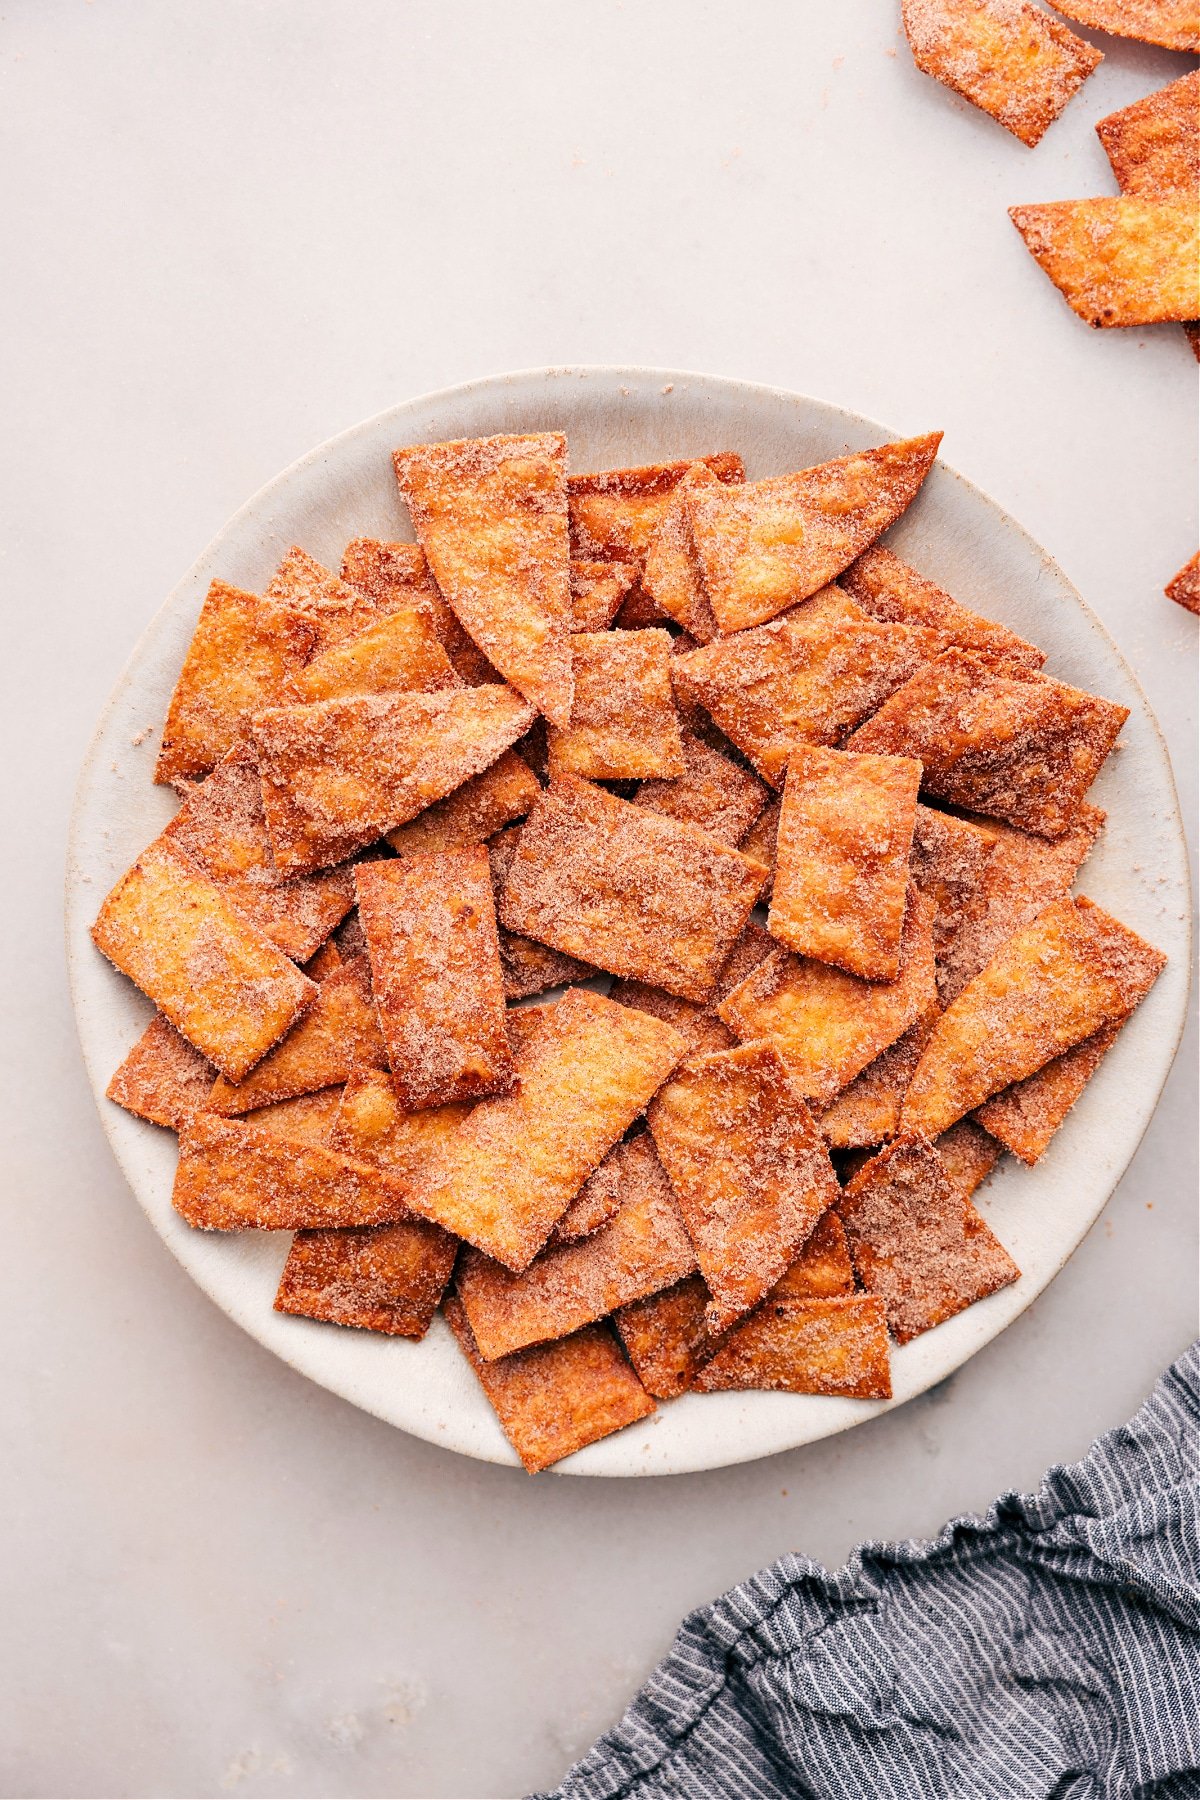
1049	1651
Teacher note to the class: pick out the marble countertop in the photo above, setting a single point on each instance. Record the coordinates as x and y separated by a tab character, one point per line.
233	229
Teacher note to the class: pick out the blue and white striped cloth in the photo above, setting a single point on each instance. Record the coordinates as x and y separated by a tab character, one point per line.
1050	1651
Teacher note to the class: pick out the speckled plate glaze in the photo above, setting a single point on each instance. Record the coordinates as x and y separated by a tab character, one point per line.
953	533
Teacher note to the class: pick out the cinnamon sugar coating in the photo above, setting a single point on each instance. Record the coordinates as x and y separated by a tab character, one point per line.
1118	261
236	1177
615	512
472	813
623	723
387	1278
823	1269
867	1111
337	1034
1184	589
1172	23
331	609
949	866
894	594
398	653
1154	145
597	591
1008	58
309	1118
398	575
672	576
163	1079
527	967
594	1205
834	1346
1024	1117
718	795
667	1337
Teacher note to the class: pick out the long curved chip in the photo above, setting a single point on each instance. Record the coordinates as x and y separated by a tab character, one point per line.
1118	261
1008	58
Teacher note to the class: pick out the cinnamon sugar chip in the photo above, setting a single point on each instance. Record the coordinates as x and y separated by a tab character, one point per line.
765	545
331	608
748	1167
399	653
338	774
526	966
1008	58
894	594
713	793
594	1205
1184	589
667	1338
614	513
823	1269
1118	261
586	1069
827	1025
430	926
949	865
1022	748
916	1242
842	855
643	1249
1154	145
220	981
672	575
388	1278
241	654
698	1026
761	842
807	679
322	963
597	590
473	812
636	894
337	1034
555	1398
867	1111
491	517
968	1156
1175	24
623	724
637	611
1024	1117
163	1079
236	1177
222	827
309	1118
1021	876
837	1346
372	1127
1072	971
398	575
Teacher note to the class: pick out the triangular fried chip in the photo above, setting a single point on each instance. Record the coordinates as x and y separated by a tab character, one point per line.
672	576
1175	24
309	1118
1063	977
526	966
949	861
234	1177
398	575
766	545
338	774
491	517
842	856
894	594
399	653
331	608
1008	58
1020	748
713	793
837	1346
636	894
1184	589
968	1156
337	1034
615	512
388	1278
1154	145
749	1169
623	724
823	1269
163	1079
553	1399
1118	261
916	1242
597	591
761	843
867	1111
473	812
1026	1116
806	679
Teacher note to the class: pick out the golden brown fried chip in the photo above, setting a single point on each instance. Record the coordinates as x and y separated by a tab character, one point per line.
398	653
597	591
1026	1116
643	1249
636	894
1118	261
585	1071
594	1205
322	963
894	594
398	575
841	860
430	926
1184	589
388	1278
337	1034
526	966
234	1177
827	1025
372	1127
1154	145
338	774
749	1169
309	1118
491	517
837	1346
1175	24
666	1337
1020	748
766	545
968	1156
867	1111
807	679
163	1079
761	841
1072	971
1008	58
713	793
614	513
332	609
916	1242
823	1268
219	980
473	812
698	1024
623	724
554	1398
672	575
241	654
949	866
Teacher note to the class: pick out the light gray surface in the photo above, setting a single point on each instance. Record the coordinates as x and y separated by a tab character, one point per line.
232	229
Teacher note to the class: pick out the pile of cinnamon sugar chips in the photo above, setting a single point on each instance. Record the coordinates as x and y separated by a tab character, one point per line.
572	739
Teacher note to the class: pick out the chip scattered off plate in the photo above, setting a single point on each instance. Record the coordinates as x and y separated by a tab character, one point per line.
1118	260
1010	59
1174	24
1184	588
1154	145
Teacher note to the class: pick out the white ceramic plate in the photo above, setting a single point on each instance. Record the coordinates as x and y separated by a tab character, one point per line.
954	534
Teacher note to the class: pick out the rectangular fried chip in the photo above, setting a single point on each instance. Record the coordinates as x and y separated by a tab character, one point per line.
867	1111
473	812
713	793
614	513
749	1169
491	517
1024	1117
1154	145
331	609
1118	260
827	1025
338	774
430	926
554	1398
1008	58
234	1177
837	1346
1019	747
623	724
894	594
220	981
916	1242
806	679
765	545
1072	971
309	1118
672	575
841	860
337	1034
527	967
398	575
948	865
643	1249
633	893
666	1337
597	590
242	651
387	1278
163	1079
586	1069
